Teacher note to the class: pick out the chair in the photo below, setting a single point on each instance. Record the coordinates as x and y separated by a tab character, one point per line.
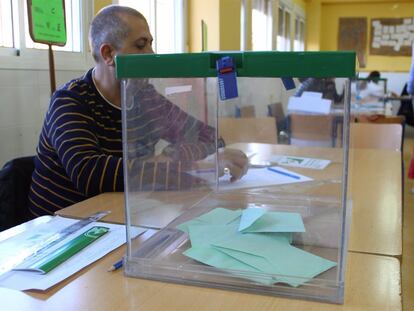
276	110
247	112
376	136
15	179
311	130
246	130
381	119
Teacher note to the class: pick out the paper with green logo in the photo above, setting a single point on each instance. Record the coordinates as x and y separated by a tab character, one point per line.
53	259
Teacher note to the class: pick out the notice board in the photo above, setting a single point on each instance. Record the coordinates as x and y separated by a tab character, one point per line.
352	36
392	36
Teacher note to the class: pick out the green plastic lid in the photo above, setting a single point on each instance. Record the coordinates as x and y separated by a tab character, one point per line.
248	64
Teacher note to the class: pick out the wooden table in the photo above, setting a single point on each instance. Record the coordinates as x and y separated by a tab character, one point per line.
372	283
375	189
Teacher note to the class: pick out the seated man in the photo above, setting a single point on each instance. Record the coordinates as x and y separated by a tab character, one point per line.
80	149
326	86
370	90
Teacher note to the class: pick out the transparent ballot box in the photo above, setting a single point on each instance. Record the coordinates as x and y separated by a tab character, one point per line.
238	164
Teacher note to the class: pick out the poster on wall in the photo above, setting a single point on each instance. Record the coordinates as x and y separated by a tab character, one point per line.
352	36
392	36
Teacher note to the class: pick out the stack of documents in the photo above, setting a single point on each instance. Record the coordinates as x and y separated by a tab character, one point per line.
253	240
294	161
309	102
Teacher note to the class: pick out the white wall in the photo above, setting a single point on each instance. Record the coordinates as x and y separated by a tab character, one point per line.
24	98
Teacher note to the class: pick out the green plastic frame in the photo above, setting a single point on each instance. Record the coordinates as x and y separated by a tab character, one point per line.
249	64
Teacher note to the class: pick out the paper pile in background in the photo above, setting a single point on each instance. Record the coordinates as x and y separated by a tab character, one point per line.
317	164
309	103
253	240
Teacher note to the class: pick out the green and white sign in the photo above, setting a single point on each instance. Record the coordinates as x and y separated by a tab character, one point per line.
47	21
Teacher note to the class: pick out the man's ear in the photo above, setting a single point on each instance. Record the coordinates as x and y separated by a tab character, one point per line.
108	54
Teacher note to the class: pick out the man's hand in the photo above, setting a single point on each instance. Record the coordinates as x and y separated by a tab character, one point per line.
234	162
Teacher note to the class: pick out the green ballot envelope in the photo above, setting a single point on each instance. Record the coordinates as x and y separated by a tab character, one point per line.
47	262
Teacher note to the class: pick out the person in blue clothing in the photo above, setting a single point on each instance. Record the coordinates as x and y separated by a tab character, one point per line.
410	83
410	90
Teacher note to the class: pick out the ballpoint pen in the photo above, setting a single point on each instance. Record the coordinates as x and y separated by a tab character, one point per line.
283	173
116	265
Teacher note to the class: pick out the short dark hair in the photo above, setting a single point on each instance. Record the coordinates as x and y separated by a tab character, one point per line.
108	26
374	75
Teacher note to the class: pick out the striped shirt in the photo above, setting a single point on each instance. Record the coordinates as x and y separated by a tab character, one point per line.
80	147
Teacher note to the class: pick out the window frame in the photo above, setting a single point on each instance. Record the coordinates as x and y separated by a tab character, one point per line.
301	23
180	45
275	13
295	12
22	57
286	8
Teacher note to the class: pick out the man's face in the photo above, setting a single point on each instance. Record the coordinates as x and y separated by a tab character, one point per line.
139	40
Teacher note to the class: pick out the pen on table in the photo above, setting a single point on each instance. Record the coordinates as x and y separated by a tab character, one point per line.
251	155
116	265
283	173
206	170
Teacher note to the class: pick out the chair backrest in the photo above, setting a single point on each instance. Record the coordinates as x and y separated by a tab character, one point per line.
381	119
376	136
258	130
276	110
15	180
311	130
247	112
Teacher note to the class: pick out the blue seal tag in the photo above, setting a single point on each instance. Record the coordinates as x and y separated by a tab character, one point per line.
288	83
226	74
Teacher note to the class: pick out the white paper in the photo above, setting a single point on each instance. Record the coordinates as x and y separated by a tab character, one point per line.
262	177
317	164
309	104
312	94
177	89
25	280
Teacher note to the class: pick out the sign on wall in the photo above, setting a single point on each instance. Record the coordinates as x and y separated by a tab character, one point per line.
353	37
392	36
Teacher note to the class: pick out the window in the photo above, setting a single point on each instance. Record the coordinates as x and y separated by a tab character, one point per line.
284	30
6	24
166	20
281	31
299	44
12	11
262	25
17	50
73	28
287	31
274	28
